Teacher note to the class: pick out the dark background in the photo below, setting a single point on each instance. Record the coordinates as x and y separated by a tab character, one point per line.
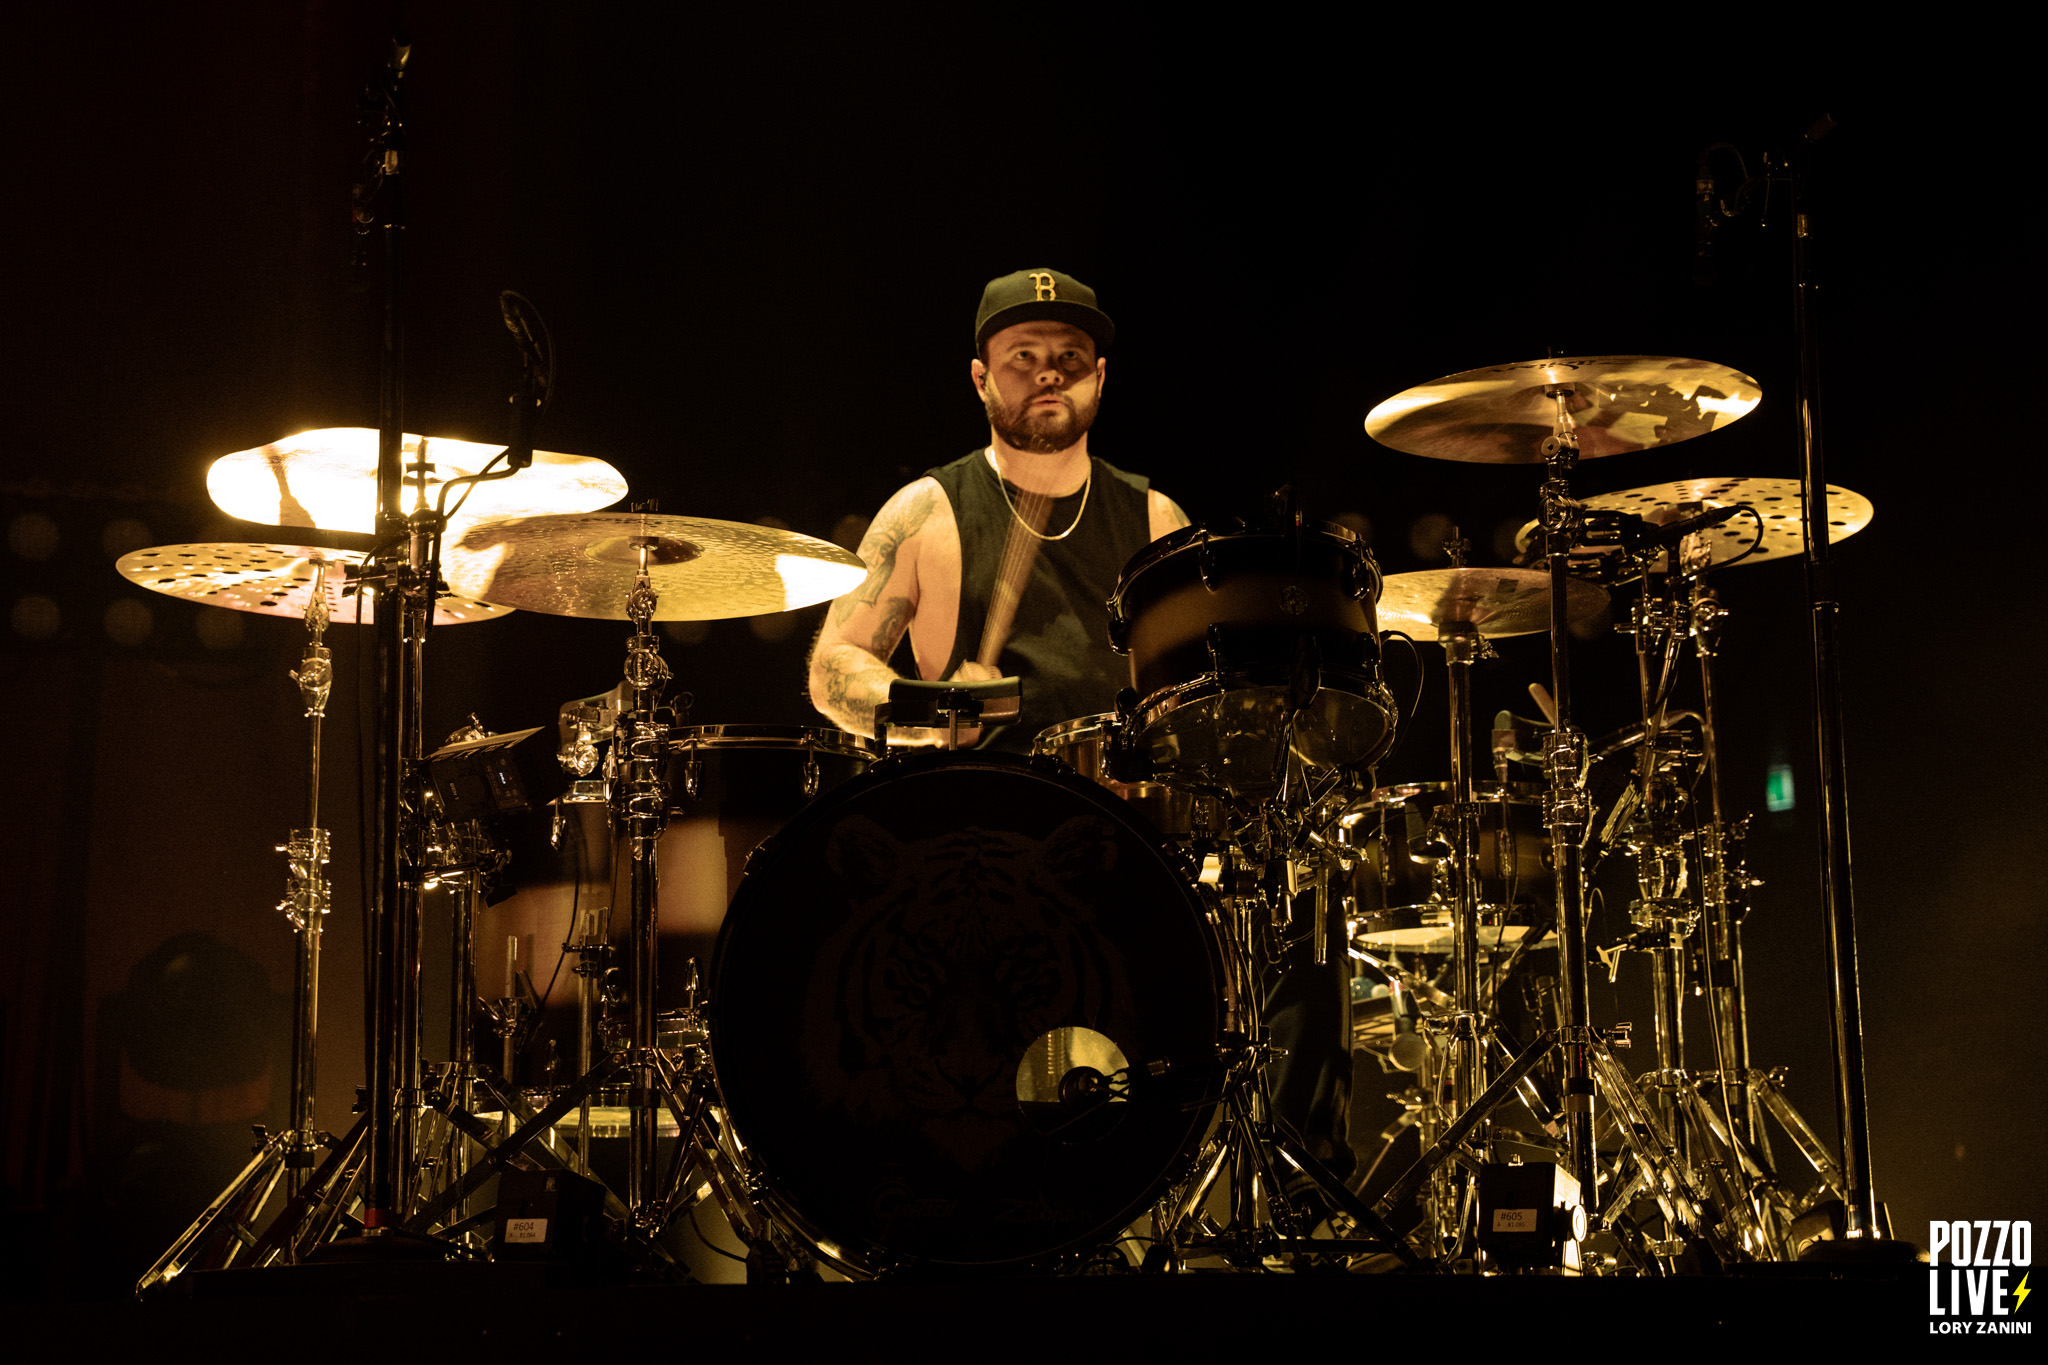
758	240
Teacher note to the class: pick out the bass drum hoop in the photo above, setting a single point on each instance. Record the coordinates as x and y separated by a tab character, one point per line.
865	1257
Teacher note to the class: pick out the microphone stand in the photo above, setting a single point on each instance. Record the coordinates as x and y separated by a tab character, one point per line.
404	588
1863	1216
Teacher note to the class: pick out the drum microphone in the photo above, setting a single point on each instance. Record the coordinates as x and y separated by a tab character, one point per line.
1646	536
1504	745
537	374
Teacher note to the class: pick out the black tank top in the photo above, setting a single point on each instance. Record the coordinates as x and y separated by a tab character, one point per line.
1060	643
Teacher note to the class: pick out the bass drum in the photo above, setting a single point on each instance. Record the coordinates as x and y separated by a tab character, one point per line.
927	997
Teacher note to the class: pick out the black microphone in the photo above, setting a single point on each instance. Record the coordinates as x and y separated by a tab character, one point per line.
1665	536
515	323
1704	271
533	386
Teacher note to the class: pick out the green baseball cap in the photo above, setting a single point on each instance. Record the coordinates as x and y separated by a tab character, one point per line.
1032	295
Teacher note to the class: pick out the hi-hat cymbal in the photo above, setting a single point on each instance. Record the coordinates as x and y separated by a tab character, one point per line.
1501	414
1499	602
1777	502
328	479
273	580
702	570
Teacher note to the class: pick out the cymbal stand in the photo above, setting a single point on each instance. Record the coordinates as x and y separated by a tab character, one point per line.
640	754
1566	810
1663	915
308	896
1451	1190
222	1231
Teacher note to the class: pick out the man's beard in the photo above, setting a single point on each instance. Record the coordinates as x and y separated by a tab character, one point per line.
1039	431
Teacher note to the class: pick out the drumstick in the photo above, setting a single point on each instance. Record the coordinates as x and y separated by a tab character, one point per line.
1020	552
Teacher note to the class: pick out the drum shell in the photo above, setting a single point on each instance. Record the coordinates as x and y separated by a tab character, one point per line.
730	787
1399	838
887	962
1083	745
1222	627
1262	590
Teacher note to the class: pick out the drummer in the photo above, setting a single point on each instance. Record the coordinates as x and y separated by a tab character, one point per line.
933	549
933	552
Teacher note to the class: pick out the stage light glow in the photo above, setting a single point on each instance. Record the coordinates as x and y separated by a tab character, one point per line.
806	580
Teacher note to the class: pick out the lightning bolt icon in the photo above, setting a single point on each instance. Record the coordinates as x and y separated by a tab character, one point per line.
2019	1296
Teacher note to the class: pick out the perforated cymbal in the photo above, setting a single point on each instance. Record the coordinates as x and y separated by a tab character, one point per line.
1777	502
328	479
273	580
1618	404
701	570
1500	602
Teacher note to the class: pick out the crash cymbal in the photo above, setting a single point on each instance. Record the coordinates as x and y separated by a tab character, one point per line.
1501	415
328	479
702	570
1777	501
273	580
1500	602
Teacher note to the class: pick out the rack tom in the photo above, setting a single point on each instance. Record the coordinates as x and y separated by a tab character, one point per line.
1250	643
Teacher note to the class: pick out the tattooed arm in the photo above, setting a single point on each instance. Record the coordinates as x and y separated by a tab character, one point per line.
850	672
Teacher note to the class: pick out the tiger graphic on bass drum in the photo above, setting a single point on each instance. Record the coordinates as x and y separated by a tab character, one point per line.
961	950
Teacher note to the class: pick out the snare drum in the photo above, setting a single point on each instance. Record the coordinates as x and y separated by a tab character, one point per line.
1400	889
1230	631
912	975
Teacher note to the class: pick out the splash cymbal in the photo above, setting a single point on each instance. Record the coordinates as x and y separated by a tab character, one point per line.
274	580
702	570
1617	404
1500	602
327	478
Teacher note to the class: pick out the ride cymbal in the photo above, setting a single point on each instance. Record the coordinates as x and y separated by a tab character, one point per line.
274	580
1500	602
1617	404
328	479
702	570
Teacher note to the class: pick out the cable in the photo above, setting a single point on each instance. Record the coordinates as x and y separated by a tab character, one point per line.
1401	731
709	1245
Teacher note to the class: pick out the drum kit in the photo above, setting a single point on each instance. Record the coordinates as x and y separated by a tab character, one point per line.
905	1008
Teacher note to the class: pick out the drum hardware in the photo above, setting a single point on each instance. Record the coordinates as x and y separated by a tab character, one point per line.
308	899
1607	405
937	712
